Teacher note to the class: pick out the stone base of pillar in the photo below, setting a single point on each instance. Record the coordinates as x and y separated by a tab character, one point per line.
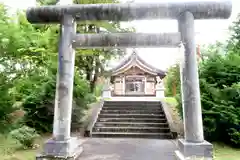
61	150
106	93
194	151
160	93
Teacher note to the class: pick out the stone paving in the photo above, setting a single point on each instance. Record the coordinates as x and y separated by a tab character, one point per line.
128	149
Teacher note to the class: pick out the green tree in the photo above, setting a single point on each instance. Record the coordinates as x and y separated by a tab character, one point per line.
172	81
219	73
29	67
93	61
28	73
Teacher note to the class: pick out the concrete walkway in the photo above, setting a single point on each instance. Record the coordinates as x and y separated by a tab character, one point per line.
128	149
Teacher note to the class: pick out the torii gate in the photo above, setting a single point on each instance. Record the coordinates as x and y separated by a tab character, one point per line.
62	145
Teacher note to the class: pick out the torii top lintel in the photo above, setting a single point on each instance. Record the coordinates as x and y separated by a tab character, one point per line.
202	9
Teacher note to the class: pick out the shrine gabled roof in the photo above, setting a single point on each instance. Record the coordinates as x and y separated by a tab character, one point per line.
135	60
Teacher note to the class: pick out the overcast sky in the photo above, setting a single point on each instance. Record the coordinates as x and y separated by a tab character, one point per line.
207	31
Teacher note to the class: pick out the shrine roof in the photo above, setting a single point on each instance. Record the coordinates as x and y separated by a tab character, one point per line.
135	60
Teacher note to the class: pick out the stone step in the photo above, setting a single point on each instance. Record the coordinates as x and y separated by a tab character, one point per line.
132	135
158	111
133	120
132	129
132	108
131	116
133	102
127	105
132	105
129	124
114	105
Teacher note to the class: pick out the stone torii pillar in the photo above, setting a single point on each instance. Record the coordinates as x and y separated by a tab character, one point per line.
193	145
62	145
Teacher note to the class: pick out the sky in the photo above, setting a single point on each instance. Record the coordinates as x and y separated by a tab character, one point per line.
207	31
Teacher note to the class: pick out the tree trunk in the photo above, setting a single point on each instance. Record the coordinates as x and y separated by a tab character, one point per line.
96	73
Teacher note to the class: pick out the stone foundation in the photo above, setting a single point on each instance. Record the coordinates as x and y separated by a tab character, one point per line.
61	150
194	151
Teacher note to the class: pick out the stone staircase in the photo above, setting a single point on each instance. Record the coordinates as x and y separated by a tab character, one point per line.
136	119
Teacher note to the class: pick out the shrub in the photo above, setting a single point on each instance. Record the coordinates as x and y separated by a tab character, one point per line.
235	136
172	81
98	90
38	94
25	136
219	77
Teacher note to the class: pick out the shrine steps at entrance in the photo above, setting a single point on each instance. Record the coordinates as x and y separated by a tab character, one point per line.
138	111
132	135
131	129
133	119
127	124
150	115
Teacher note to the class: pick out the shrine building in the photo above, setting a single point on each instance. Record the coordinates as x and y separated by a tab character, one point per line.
134	77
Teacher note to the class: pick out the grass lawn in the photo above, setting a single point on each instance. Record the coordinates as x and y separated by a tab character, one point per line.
11	150
223	152
171	100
